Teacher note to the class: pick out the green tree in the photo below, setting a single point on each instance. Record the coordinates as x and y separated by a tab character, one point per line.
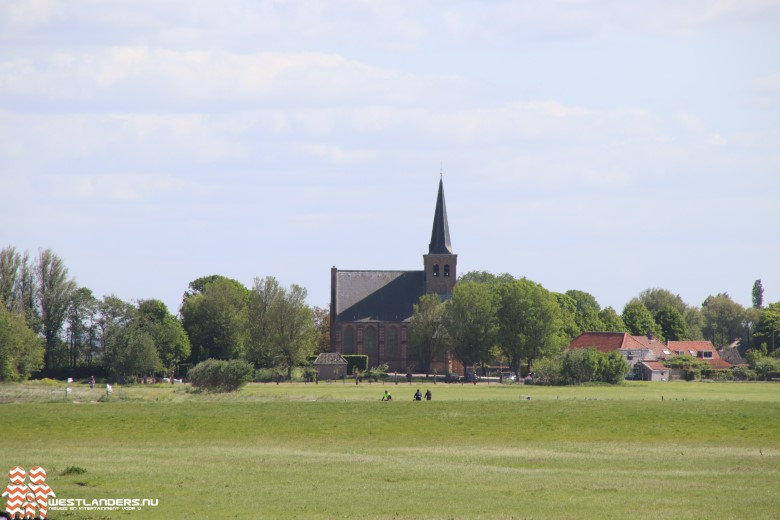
426	334
528	323
568	308
131	351
587	309
10	261
724	319
765	367
470	321
695	323
167	332
767	328
612	367
282	330
485	277
758	294
295	337
21	350
672	323
214	314
113	315
55	290
80	326
612	320
262	329
639	320
581	365
321	318
27	293
656	299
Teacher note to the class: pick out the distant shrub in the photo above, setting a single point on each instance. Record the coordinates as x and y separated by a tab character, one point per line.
743	373
549	371
719	374
264	375
73	470
221	376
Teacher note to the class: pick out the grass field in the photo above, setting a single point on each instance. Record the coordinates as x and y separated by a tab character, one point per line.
642	450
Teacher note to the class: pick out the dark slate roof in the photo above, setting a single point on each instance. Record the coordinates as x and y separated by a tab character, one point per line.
330	358
377	295
440	235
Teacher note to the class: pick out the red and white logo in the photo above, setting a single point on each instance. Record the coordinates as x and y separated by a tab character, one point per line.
26	500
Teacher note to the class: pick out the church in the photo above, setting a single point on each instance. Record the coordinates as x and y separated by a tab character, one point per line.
370	311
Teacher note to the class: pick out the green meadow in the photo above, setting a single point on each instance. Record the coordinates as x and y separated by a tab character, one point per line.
333	450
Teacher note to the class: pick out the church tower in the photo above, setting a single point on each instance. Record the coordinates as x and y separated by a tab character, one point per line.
440	262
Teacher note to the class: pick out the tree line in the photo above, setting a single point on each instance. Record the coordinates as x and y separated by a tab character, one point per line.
50	326
499	318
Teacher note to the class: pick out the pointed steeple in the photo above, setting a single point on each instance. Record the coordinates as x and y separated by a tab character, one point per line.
440	235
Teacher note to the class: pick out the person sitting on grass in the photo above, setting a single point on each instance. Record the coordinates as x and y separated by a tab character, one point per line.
418	395
428	395
387	396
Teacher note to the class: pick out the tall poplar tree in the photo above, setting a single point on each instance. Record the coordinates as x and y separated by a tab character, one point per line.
55	290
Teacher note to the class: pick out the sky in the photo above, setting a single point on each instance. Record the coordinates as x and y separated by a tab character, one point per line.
608	146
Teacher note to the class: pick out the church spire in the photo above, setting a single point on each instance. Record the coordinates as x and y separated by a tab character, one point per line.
440	235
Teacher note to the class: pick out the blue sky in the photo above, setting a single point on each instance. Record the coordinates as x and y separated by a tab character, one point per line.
608	146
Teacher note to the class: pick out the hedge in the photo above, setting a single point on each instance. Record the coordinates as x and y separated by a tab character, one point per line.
358	361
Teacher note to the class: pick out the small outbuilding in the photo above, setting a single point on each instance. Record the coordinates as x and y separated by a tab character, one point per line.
330	365
652	371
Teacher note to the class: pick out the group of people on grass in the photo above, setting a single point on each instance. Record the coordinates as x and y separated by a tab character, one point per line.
418	396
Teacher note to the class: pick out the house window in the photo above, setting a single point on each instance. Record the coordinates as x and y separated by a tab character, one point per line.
706	354
446	269
436	270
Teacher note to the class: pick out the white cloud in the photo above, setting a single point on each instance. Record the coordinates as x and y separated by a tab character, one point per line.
125	75
766	90
119	187
19	16
198	137
336	154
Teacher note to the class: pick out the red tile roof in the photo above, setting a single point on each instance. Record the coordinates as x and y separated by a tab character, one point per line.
605	341
654	365
718	363
699	346
658	348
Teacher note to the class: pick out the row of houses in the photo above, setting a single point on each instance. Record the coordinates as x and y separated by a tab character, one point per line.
646	354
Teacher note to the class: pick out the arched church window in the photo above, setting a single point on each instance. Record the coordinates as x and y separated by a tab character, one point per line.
446	269
348	344
370	347
436	270
391	343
